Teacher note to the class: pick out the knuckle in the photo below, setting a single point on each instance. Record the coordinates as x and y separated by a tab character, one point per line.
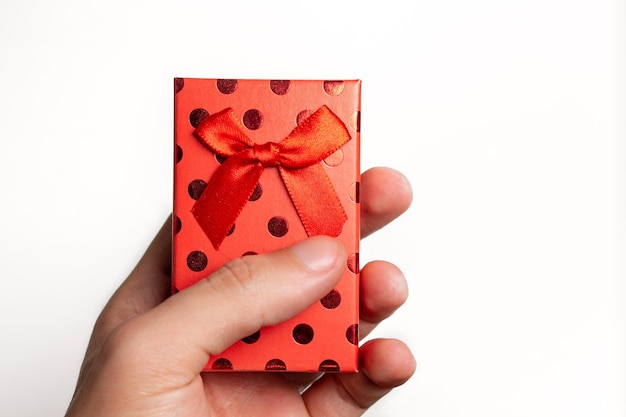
237	282
237	276
122	344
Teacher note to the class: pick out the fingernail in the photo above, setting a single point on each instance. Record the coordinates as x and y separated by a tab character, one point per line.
317	253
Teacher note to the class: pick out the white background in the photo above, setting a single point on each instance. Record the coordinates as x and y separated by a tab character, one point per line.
507	116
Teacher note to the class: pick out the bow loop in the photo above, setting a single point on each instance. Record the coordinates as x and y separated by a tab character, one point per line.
297	158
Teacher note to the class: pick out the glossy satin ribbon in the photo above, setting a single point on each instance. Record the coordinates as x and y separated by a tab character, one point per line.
297	158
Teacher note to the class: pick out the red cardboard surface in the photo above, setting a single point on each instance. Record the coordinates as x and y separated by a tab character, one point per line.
325	336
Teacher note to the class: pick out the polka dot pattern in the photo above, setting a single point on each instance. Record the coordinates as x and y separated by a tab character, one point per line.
179	83
335	159
278	226
253	338
196	188
253	119
275	365
196	116
353	263
227	86
355	192
302	116
352	334
197	261
323	338
331	300
280	87
329	365
222	364
303	334
178	153
333	88
257	193
220	159
355	121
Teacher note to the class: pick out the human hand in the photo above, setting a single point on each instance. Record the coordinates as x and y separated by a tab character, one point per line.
147	350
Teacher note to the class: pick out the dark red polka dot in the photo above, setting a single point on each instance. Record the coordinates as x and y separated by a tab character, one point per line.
253	119
335	159
352	334
329	365
355	121
197	261
179	83
275	365
178	153
253	338
278	226
227	86
222	364
257	193
231	230
331	300
280	87
177	224
302	116
249	253
196	116
355	192
303	334
220	158
196	188
353	263
333	88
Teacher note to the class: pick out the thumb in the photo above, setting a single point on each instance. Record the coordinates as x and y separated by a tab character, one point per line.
178	336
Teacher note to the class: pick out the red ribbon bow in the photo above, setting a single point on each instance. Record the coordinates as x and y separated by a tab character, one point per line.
297	158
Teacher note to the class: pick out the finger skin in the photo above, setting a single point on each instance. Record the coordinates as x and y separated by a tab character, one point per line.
383	290
384	365
178	336
147	286
161	353
386	194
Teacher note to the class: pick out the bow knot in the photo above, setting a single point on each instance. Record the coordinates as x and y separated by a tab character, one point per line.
297	158
267	154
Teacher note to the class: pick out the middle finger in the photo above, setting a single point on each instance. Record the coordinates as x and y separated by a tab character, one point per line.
383	290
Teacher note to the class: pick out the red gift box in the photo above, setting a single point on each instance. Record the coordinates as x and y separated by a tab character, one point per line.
260	165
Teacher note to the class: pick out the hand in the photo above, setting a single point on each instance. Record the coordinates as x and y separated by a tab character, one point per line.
147	350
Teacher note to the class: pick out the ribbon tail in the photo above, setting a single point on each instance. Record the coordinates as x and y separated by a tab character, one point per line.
224	197
315	200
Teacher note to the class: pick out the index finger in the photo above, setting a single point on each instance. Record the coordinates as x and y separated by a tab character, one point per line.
385	195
